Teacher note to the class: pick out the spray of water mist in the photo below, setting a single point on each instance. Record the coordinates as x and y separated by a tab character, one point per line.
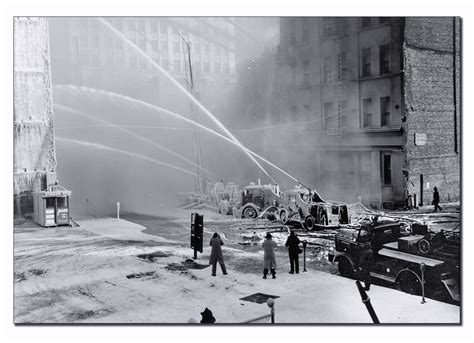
123	152
184	90
144	139
176	115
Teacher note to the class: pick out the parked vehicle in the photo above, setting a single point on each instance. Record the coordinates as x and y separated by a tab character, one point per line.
404	260
257	198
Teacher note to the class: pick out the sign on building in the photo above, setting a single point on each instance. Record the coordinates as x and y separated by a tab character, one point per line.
420	138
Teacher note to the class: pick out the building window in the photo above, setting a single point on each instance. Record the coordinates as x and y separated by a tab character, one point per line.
366	63
367	113
226	68
344	114
328	112
141	25
328	27
293	72
294	112
131	25
142	44
328	74
387	169
385	111
176	47
306	74
292	33
154	45
384	59
343	66
305	30
365	22
177	65
383	20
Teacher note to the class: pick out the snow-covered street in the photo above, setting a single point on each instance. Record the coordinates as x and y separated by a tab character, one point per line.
110	271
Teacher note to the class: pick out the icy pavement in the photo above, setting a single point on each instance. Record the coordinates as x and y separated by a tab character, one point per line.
93	274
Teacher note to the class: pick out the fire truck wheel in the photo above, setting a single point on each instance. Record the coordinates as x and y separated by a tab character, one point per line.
345	268
250	213
409	283
309	223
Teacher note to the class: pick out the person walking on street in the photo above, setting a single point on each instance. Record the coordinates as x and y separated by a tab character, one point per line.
293	251
436	200
269	260
216	254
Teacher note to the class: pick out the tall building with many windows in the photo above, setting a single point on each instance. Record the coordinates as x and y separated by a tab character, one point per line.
373	105
85	52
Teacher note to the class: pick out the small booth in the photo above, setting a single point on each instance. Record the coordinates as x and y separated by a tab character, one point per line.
51	206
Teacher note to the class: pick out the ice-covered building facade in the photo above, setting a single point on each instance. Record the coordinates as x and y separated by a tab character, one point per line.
34	157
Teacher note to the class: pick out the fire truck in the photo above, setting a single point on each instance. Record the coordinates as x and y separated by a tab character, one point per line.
256	198
416	260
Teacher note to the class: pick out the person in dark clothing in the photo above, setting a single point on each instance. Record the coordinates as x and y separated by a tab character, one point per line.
436	200
365	265
216	254
293	250
207	317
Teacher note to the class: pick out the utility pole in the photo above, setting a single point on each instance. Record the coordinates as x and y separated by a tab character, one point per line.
199	179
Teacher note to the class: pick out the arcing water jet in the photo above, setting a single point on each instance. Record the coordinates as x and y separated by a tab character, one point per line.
131	154
184	90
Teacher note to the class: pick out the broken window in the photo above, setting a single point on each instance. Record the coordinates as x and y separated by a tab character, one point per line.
385	111
384	58
387	169
366	62
367	112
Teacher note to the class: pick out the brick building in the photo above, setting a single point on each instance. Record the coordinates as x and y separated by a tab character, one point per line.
372	106
34	157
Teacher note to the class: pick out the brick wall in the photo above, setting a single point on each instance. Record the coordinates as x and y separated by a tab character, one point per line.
430	109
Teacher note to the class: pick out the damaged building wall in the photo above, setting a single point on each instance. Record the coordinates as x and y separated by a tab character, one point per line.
432	107
34	159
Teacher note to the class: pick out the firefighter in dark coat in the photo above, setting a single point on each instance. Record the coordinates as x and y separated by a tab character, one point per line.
293	250
436	200
216	254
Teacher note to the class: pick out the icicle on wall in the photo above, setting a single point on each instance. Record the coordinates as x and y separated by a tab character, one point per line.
34	154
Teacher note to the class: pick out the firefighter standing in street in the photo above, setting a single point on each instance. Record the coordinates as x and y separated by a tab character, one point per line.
293	250
269	259
435	201
216	254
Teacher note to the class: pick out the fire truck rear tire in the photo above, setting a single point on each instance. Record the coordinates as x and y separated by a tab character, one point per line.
309	223
249	213
409	283
345	267
283	216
